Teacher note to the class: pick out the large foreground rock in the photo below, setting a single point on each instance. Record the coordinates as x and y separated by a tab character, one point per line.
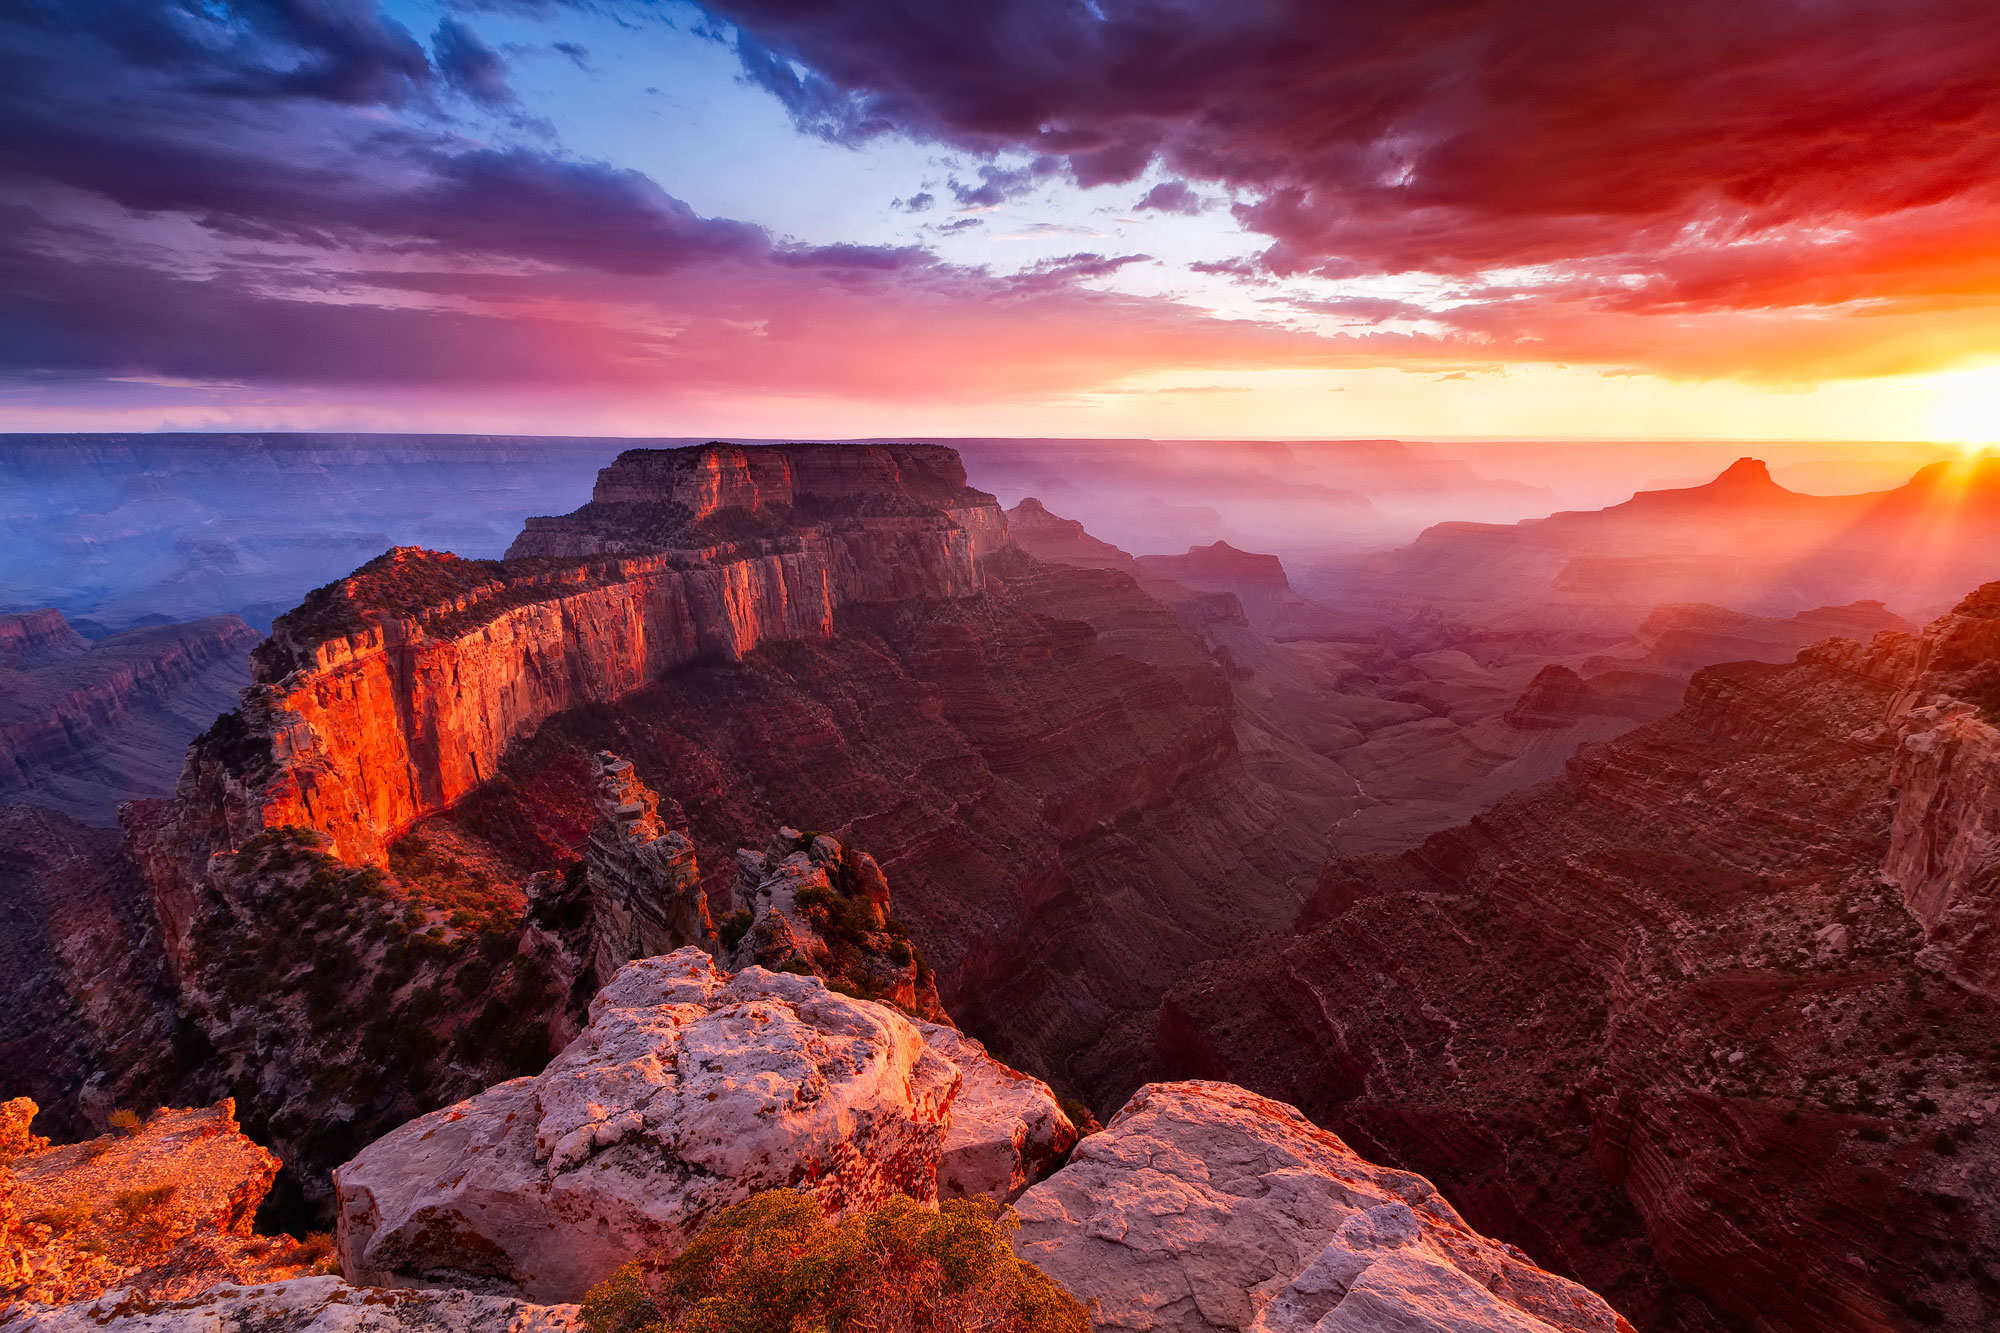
690	1090
1006	1128
1203	1207
305	1305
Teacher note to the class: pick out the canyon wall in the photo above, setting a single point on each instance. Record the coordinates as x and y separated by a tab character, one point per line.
392	693
1750	1082
84	725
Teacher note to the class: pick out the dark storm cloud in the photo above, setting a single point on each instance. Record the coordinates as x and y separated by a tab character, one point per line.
470	65
1445	135
146	114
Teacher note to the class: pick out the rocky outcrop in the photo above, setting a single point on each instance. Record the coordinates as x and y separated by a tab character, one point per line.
1202	1206
36	638
305	1305
1219	567
650	499
645	889
690	1090
84	726
160	1213
1006	1127
1062	541
813	905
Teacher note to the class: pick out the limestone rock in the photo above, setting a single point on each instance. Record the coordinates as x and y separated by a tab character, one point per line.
1006	1127
16	1135
645	888
303	1305
814	904
160	1214
690	1090
1203	1206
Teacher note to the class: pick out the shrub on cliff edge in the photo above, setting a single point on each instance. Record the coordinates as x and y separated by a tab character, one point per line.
774	1264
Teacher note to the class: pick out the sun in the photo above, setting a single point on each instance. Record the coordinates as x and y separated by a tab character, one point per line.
1965	408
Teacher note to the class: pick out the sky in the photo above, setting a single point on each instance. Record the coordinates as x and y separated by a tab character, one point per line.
1742	219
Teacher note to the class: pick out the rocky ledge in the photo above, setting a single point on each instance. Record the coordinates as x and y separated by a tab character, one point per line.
157	1211
1204	1207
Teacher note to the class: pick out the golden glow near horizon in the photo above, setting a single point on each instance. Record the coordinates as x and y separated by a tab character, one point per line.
1966	408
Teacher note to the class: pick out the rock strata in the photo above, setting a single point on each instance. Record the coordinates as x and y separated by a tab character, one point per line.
86	725
392	693
1204	1207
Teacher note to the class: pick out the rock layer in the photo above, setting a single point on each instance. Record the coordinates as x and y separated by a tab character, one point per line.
84	726
1203	1207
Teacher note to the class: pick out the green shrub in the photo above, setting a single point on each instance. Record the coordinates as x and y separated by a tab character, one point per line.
127	1122
734	927
774	1264
136	1205
63	1218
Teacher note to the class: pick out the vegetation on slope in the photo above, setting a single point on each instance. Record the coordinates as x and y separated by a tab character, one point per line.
774	1264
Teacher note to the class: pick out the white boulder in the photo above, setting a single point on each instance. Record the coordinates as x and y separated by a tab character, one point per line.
1006	1128
691	1089
1203	1207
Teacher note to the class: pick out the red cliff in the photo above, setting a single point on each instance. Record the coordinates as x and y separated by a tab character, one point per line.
391	694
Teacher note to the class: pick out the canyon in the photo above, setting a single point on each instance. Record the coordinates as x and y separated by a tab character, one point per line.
1147	819
1752	1082
85	725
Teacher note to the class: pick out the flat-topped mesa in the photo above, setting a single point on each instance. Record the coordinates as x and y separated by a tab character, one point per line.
389	695
661	499
1219	566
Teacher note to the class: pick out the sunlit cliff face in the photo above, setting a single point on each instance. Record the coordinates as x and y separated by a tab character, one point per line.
1449	217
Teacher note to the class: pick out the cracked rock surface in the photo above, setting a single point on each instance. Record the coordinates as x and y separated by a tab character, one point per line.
691	1089
1203	1206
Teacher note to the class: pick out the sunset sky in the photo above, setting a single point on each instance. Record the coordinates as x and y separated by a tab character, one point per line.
1072	217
